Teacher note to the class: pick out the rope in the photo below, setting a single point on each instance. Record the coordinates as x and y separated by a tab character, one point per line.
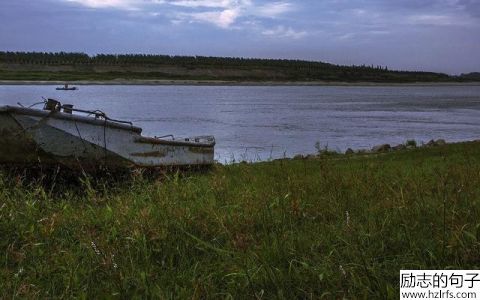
80	136
105	140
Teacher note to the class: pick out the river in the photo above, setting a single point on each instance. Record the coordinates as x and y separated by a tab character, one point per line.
265	122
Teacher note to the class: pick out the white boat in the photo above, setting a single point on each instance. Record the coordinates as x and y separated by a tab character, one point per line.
81	139
67	88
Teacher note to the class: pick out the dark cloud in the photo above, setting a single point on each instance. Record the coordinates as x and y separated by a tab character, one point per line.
471	6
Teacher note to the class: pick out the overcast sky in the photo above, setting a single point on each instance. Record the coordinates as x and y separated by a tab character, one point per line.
433	35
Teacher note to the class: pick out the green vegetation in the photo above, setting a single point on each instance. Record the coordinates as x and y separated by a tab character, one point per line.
474	76
79	66
320	228
411	143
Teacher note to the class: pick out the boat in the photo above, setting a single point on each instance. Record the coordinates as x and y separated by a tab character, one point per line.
82	139
67	88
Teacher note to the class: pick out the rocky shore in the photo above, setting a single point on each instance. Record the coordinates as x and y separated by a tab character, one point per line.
378	149
410	144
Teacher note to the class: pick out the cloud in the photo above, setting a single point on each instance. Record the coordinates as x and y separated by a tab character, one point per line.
418	34
436	20
221	13
193	4
119	4
222	19
471	6
275	9
284	32
204	3
227	12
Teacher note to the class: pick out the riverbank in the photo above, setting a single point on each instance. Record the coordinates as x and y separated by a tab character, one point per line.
305	228
229	83
80	66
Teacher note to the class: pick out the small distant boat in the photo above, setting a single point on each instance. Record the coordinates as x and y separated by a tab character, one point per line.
86	140
67	88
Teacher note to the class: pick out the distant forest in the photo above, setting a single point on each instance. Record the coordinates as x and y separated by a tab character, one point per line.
80	66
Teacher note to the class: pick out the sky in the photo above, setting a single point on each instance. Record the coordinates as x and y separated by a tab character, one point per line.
425	35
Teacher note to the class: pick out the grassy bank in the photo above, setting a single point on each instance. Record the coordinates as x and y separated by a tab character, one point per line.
227	83
332	228
165	73
39	66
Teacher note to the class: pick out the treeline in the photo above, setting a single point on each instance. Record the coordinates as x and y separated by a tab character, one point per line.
265	69
48	58
474	76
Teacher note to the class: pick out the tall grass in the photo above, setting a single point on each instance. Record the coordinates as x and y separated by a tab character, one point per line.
326	228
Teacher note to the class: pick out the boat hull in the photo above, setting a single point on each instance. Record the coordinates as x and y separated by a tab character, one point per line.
41	137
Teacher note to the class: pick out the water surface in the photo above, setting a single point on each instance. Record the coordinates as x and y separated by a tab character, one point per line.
266	122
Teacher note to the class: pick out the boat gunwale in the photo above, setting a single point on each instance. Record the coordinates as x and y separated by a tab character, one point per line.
155	141
69	117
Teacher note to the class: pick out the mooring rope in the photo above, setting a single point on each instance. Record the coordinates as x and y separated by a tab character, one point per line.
105	141
80	136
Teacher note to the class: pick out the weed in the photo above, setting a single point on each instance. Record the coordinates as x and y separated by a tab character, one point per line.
334	228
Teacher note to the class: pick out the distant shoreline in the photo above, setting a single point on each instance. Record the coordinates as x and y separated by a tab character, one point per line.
230	83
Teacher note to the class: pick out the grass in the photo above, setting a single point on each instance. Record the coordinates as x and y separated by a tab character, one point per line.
319	228
258	74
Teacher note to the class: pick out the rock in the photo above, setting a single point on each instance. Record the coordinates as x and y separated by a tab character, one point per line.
411	143
430	143
349	151
399	147
434	143
282	159
381	148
